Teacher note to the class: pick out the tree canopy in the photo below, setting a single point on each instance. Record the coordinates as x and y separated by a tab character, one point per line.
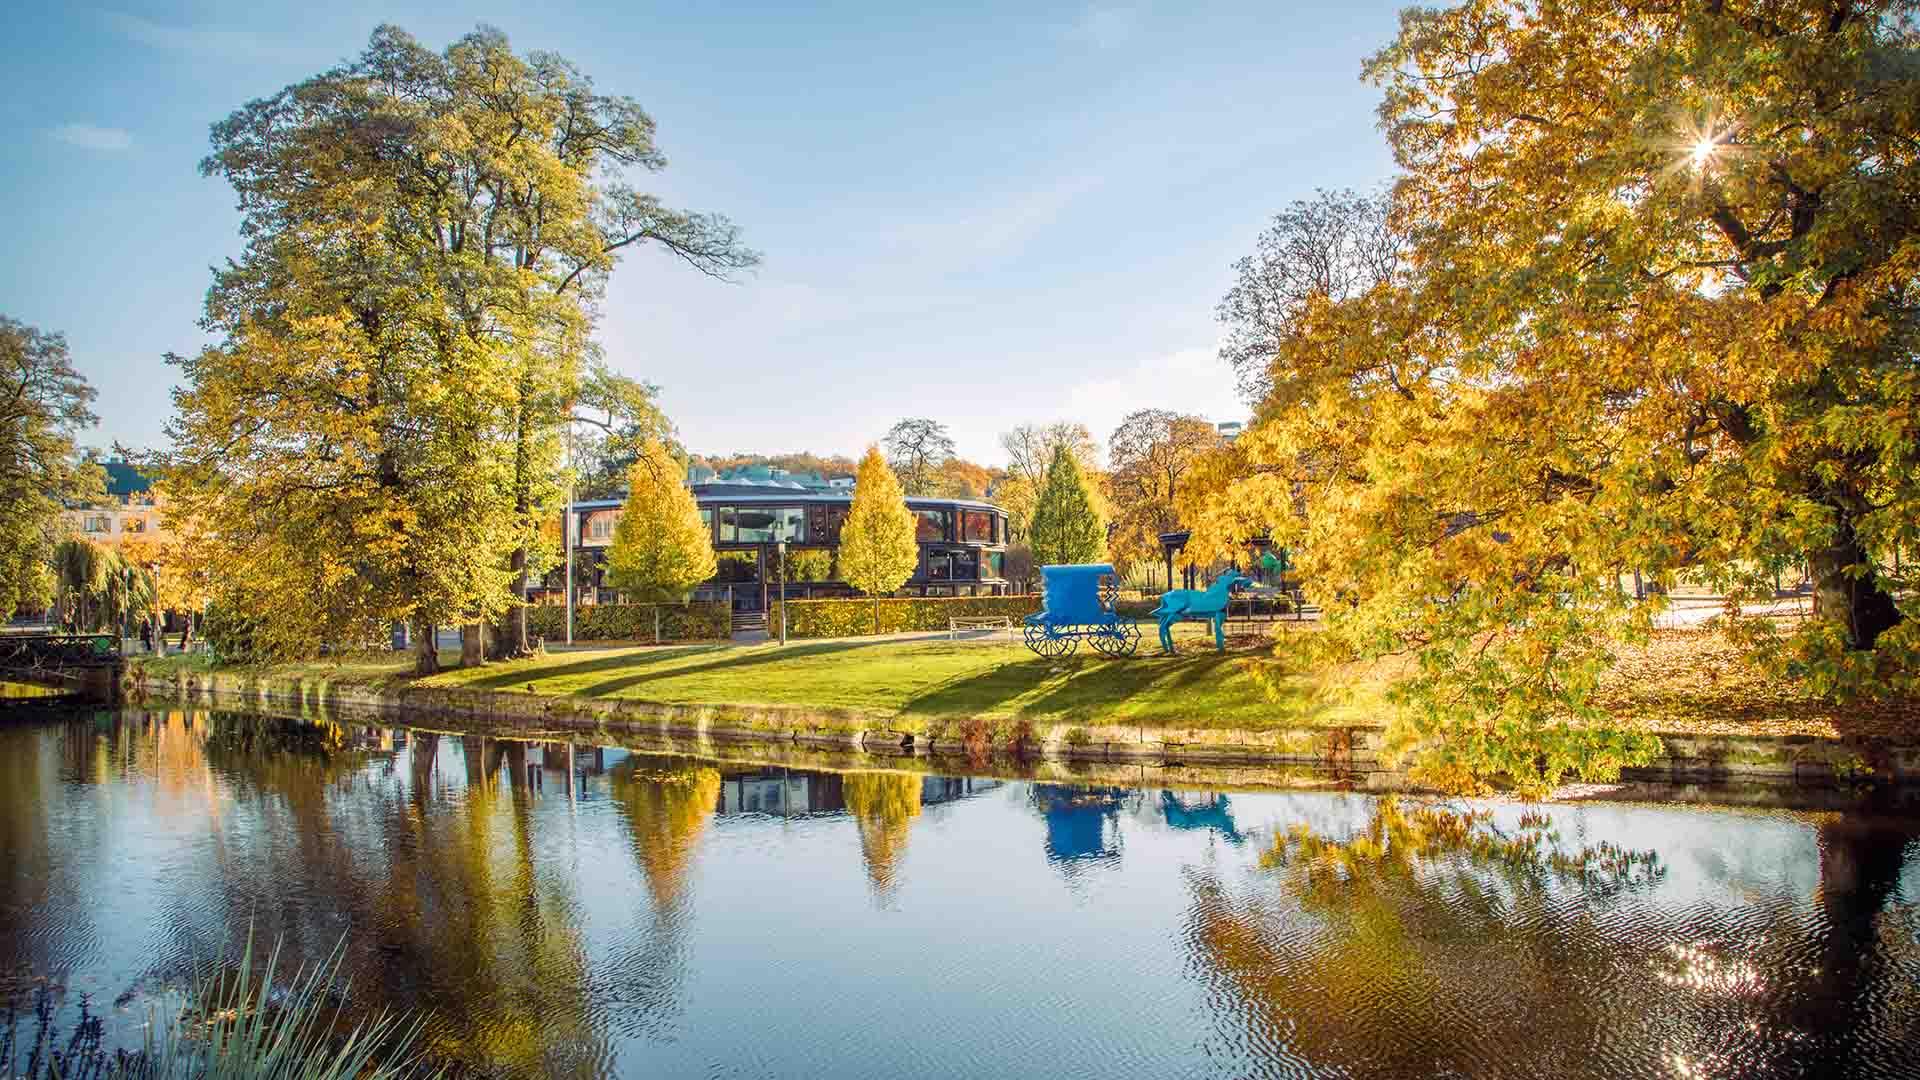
661	546
1656	314
1151	455
878	551
377	434
1068	525
916	449
44	404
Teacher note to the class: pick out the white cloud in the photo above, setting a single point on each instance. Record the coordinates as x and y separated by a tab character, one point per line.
93	137
1191	380
200	41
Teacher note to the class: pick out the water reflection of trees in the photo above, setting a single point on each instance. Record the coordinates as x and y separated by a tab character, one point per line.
883	805
1434	941
430	874
666	806
1376	948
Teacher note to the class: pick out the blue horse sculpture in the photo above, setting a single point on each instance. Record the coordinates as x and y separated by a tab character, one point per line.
1178	604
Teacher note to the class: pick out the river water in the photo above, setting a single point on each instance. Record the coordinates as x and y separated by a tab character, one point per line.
574	910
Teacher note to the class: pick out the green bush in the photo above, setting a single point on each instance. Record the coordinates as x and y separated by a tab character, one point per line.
851	618
633	622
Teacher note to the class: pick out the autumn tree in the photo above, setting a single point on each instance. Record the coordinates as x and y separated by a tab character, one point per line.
1068	525
1334	246
377	435
916	449
614	417
661	546
958	478
1030	449
1659	315
1151	455
878	549
44	403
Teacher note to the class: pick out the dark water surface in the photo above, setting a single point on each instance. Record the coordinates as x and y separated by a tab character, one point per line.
581	911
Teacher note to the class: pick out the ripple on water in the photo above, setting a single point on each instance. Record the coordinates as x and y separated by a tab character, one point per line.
627	923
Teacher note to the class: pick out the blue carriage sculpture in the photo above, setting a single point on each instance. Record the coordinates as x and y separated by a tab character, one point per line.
1078	602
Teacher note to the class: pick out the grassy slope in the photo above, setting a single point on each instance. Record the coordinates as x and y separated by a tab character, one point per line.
1199	688
1684	681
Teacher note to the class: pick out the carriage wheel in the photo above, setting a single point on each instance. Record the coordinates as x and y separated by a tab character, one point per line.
1049	644
1120	639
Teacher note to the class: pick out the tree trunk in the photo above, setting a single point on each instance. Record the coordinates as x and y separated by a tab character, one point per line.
473	644
510	639
426	648
1846	591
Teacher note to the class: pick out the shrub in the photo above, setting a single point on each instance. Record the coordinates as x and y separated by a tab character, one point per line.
633	622
851	618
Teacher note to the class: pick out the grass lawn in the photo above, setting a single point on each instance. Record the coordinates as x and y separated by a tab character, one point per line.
1682	681
932	679
1198	688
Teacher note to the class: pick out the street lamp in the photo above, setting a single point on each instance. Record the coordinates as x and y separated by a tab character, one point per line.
782	547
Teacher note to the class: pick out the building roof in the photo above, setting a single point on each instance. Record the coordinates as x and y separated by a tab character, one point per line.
123	480
748	495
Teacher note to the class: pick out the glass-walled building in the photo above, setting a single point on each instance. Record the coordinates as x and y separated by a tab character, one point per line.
963	546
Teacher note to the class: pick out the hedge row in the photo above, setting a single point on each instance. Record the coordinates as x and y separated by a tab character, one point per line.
851	618
633	622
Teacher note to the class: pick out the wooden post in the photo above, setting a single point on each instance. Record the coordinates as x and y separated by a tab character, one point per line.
656	624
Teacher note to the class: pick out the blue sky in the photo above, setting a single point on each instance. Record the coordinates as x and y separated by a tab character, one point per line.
1004	214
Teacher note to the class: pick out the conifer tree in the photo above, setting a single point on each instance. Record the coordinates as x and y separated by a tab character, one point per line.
1068	526
661	547
878	551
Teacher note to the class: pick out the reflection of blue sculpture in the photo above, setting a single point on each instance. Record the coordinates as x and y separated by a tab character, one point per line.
1200	812
1075	606
1077	820
1178	604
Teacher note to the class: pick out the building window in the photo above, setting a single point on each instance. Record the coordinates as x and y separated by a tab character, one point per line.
976	526
823	523
932	525
133	524
995	565
97	523
706	519
762	525
939	566
966	565
600	525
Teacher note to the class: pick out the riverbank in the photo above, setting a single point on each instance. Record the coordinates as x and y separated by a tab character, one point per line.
980	698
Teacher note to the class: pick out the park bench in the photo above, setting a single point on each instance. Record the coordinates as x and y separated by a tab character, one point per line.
977	623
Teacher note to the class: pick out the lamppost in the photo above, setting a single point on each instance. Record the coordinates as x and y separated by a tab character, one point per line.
782	548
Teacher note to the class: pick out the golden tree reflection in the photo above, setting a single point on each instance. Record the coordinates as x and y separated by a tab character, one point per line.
667	812
1374	944
883	805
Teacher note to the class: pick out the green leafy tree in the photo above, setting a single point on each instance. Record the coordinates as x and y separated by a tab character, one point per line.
661	548
43	404
378	434
1068	526
878	549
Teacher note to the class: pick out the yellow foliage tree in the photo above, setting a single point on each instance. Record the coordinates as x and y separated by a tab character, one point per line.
661	548
1655	313
878	549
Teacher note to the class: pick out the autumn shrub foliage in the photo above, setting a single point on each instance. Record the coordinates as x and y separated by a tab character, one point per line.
850	618
1643	302
633	622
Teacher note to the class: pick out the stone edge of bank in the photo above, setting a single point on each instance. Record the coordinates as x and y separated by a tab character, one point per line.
1358	750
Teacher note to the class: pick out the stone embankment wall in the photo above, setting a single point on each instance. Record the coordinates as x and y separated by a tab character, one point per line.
1357	754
